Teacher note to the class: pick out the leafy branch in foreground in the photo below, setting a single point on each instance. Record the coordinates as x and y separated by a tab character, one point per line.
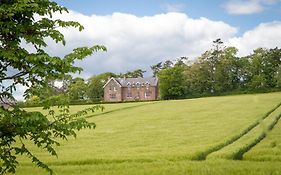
30	22
18	125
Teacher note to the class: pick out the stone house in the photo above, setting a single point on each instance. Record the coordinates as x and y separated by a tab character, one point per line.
131	89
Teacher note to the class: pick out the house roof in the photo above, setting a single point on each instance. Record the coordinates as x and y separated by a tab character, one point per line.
142	81
114	79
124	82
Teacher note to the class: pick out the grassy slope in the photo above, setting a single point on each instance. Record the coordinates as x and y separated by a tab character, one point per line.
108	107
232	151
268	149
161	133
225	167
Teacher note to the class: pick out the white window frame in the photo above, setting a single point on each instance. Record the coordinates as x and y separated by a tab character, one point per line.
138	85
131	95
145	94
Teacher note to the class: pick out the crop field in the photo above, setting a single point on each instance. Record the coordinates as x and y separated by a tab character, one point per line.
217	135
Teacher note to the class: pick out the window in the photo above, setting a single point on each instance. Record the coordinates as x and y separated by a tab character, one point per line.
147	94
138	85
113	96
129	95
147	85
114	88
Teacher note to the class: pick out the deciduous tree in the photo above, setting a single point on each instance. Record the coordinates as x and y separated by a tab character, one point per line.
172	83
95	85
20	67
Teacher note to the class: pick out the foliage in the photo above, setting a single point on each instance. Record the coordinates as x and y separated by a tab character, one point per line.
95	85
263	70
133	74
77	89
162	65
156	68
171	84
220	71
17	125
30	22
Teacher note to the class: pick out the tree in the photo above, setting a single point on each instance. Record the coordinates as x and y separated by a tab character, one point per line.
47	90
226	71
197	77
18	66
95	85
156	68
159	66
263	68
133	74
273	65
171	84
77	89
167	64
278	77
216	71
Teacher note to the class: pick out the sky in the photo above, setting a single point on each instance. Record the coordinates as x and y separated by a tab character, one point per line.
244	14
141	33
138	34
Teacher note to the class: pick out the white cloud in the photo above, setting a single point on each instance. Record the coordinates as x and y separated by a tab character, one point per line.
138	42
244	7
265	35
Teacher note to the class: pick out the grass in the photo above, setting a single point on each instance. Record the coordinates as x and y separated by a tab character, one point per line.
248	140
269	149
224	167
237	148
163	137
108	108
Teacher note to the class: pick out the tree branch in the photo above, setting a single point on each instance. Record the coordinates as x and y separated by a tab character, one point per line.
20	74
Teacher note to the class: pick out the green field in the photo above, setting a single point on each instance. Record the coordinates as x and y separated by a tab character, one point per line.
216	135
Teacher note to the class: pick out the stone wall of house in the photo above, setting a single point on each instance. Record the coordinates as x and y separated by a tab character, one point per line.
112	92
142	93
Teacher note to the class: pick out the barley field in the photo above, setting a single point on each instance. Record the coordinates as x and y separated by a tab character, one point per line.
238	134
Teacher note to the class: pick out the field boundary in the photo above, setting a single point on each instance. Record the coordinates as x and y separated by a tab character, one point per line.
203	155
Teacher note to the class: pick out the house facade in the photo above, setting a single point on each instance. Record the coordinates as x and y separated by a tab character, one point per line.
131	89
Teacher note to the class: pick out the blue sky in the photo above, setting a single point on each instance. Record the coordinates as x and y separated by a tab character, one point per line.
214	10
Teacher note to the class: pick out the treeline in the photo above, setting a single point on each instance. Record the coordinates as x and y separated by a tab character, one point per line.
220	71
77	90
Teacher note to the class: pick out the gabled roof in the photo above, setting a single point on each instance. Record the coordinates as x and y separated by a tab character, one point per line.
114	79
133	81
125	82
